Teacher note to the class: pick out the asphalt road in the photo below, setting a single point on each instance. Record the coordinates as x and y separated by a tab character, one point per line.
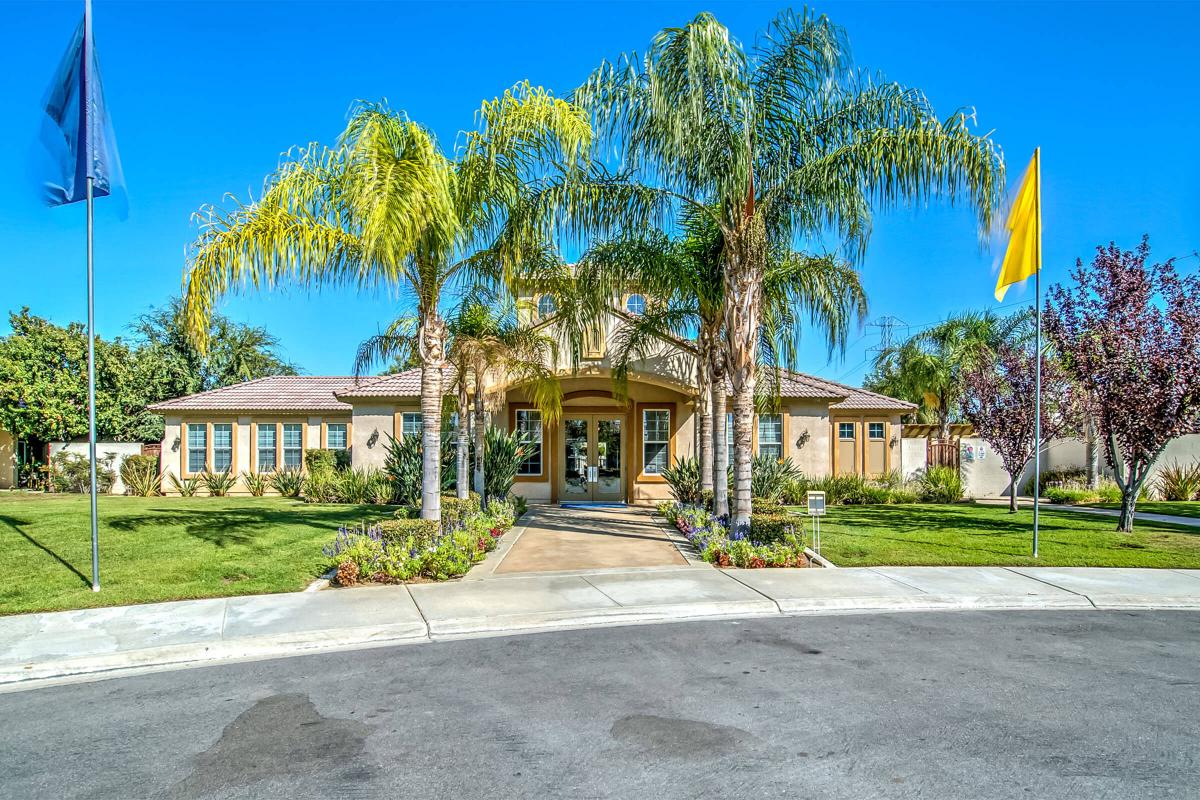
934	705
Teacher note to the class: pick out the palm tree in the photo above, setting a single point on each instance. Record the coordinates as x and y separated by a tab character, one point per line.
386	207
685	277
784	143
487	344
928	368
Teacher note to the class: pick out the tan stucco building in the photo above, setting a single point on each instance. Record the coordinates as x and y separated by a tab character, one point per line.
601	449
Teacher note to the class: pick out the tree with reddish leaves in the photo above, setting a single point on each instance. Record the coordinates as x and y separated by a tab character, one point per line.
999	395
1129	335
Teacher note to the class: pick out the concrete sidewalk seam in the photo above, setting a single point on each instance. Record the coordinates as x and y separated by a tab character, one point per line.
757	591
1053	586
901	582
601	591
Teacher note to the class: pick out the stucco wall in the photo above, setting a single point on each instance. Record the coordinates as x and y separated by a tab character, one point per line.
8	460
986	477
373	426
119	450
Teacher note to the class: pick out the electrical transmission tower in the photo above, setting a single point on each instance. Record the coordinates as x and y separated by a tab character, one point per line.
888	325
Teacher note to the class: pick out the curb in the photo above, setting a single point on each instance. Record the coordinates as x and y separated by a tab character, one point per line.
111	665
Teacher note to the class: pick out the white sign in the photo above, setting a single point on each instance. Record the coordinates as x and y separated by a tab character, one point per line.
816	504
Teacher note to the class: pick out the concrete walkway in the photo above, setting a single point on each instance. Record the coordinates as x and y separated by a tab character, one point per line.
1027	502
1138	516
562	539
118	640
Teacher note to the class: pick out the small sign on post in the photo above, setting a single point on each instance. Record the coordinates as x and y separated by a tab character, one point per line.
816	510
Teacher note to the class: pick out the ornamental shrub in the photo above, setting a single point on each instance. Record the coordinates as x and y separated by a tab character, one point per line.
317	460
1070	497
420	533
1178	482
456	512
941	485
71	473
771	526
322	485
186	487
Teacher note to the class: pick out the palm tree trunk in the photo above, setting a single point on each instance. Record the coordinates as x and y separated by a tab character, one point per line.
720	440
745	257
480	443
704	409
462	489
433	351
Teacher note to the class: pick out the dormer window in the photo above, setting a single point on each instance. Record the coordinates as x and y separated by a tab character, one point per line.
546	306
635	304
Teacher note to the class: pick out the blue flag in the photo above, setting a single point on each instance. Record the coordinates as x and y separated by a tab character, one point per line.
76	130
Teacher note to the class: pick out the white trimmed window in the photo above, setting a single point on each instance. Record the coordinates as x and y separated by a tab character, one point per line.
222	433
636	304
293	445
335	436
267	454
875	431
770	435
197	448
846	431
656	440
410	424
729	435
529	423
546	306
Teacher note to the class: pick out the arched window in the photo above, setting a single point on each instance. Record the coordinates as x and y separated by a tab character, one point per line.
546	306
635	304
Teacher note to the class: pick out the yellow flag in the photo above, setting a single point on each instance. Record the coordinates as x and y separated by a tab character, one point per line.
1024	255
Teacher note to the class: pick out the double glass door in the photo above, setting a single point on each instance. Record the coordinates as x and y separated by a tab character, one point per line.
593	464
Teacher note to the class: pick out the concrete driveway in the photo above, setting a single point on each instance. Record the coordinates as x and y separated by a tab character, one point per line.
558	539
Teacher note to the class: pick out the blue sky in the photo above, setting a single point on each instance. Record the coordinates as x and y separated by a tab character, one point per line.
204	98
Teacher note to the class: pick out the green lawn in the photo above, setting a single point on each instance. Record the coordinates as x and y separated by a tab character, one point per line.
1177	508
160	548
976	535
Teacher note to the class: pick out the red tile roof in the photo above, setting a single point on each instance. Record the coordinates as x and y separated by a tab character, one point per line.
322	393
401	384
277	393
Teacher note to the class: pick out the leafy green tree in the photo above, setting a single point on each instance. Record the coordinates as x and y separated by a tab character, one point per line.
387	207
782	143
43	383
237	352
929	368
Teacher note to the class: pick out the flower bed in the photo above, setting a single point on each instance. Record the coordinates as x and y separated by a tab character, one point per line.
400	550
725	548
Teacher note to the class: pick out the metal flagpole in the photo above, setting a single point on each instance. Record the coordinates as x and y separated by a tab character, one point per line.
85	98
92	391
1037	383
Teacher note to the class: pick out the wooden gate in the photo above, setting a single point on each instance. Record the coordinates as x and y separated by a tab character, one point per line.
942	453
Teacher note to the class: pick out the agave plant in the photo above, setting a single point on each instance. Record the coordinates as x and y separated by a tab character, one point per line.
684	481
256	482
769	476
288	482
1179	482
502	457
218	483
186	487
141	476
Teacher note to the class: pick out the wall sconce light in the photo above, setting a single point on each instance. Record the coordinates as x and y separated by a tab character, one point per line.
175	445
373	438
802	439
